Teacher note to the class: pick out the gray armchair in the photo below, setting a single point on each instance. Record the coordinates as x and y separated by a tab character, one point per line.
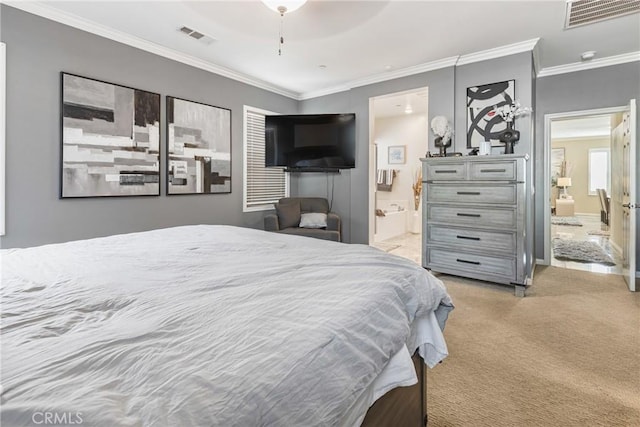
287	218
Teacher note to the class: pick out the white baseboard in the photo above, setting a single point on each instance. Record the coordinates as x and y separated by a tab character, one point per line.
588	214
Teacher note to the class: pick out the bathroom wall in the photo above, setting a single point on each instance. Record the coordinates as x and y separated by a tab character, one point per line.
410	131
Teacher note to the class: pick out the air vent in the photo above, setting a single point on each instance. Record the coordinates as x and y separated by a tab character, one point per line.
202	38
582	12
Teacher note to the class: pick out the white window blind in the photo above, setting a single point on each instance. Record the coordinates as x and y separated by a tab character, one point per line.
262	186
599	175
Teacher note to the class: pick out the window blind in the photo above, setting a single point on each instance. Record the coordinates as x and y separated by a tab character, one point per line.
263	186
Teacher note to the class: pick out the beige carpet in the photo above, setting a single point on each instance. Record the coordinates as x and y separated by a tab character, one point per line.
568	354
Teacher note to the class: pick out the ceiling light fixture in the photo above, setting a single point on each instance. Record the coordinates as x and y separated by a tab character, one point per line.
588	55
408	109
282	7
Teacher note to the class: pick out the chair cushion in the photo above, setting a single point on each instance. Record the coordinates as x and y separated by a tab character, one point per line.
313	220
288	214
309	204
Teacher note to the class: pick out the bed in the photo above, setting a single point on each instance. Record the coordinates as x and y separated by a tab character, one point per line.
212	325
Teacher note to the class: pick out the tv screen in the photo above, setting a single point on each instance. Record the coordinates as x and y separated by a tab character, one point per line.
311	141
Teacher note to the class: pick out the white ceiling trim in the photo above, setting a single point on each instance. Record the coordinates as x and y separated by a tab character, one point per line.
47	12
596	63
498	52
389	75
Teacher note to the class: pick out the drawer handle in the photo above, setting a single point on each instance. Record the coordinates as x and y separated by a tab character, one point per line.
471	215
468	262
468	238
469	193
493	170
446	171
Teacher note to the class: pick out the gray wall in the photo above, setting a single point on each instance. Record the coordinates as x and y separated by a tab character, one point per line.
603	87
351	195
513	67
37	50
447	96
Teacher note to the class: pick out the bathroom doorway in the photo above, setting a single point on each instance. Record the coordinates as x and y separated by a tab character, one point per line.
399	132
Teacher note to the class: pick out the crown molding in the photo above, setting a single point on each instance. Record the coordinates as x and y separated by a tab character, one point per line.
377	78
497	52
596	63
42	10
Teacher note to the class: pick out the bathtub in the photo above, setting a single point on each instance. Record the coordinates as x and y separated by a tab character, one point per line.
395	221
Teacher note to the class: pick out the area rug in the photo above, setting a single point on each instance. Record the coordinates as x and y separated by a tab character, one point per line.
580	251
599	233
566	220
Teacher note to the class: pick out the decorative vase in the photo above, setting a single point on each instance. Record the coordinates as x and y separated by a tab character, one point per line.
509	136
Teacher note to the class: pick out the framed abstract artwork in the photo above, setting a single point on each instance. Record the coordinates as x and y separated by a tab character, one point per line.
110	139
198	148
482	123
397	155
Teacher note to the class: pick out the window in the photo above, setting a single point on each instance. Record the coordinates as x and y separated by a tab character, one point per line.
262	186
599	174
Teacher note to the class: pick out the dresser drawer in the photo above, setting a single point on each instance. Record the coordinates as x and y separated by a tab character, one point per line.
499	170
445	172
494	265
464	193
472	238
477	217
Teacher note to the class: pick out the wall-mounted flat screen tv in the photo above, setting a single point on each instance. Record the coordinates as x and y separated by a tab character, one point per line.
311	142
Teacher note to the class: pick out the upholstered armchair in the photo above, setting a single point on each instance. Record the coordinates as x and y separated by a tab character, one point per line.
304	216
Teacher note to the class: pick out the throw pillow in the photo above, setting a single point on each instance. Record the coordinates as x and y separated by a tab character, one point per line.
288	214
313	220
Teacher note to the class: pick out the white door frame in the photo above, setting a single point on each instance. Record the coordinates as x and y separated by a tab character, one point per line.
548	118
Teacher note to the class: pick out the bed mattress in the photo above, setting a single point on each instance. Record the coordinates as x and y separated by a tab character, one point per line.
208	325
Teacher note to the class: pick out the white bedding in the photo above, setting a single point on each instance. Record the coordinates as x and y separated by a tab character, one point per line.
207	325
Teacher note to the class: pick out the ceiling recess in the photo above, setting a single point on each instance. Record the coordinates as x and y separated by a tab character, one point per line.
202	38
581	12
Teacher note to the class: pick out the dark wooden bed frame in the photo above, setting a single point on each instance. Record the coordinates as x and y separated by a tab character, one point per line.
402	406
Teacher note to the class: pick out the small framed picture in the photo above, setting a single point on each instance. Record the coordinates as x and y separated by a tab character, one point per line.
397	155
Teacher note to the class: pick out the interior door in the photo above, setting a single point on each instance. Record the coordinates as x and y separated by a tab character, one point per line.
629	206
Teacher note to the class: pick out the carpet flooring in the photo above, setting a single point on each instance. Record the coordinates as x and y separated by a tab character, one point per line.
565	355
580	251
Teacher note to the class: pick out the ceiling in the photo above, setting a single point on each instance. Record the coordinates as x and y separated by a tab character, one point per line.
331	45
394	105
584	127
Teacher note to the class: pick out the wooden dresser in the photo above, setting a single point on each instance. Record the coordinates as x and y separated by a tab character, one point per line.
475	213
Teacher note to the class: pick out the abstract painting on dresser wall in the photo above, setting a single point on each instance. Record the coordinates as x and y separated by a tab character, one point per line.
198	148
110	139
483	124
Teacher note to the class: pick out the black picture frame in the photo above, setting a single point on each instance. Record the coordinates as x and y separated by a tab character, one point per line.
201	153
109	139
481	100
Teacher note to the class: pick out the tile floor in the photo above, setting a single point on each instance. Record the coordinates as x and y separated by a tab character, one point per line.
589	223
409	245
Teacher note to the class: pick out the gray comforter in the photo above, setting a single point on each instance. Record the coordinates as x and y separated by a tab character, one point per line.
202	325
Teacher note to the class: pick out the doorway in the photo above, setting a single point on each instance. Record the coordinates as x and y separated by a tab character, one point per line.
584	173
399	132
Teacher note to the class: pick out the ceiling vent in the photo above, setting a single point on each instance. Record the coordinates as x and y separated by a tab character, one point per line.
581	12
202	38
